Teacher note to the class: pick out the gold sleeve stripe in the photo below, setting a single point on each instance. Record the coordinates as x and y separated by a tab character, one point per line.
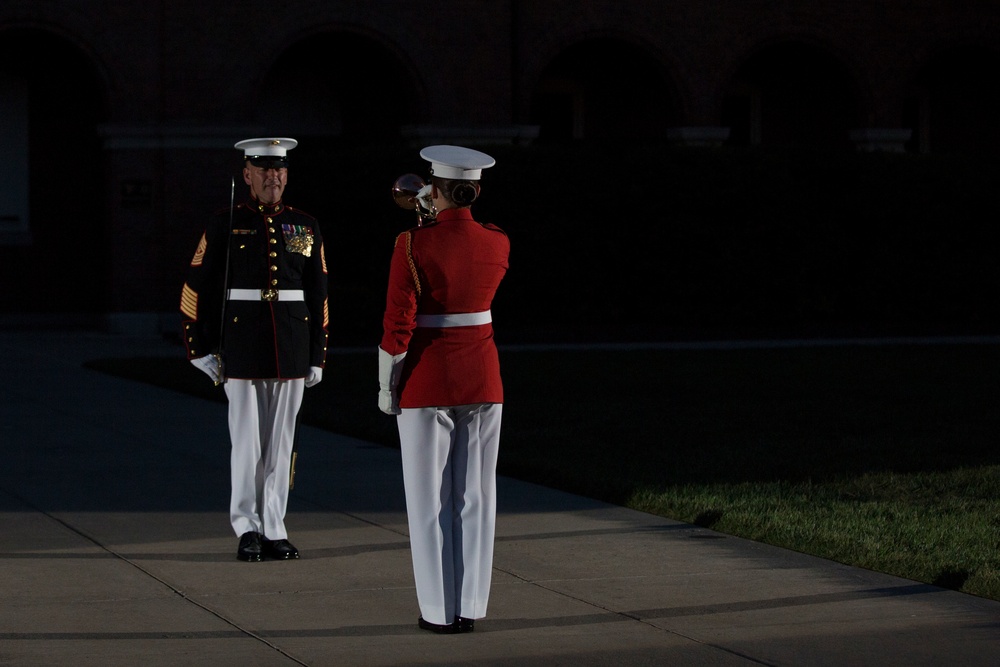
189	302
199	254
326	313
322	255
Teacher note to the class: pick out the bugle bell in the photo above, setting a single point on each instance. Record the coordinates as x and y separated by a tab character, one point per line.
410	192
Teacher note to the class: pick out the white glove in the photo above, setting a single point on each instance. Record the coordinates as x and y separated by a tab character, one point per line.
390	367
423	198
314	377
210	366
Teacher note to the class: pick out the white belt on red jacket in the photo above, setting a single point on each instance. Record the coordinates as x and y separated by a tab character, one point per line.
454	320
266	295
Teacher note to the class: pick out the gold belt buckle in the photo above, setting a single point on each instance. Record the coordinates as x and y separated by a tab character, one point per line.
270	294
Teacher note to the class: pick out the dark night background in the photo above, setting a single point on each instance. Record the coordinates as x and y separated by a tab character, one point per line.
692	171
696	243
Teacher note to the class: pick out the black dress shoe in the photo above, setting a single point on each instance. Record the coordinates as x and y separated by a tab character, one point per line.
449	629
280	550
249	549
463	624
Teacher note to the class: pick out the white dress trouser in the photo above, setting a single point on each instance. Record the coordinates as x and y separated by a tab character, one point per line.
449	460
262	417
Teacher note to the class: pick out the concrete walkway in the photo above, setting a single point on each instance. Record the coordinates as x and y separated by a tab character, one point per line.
118	551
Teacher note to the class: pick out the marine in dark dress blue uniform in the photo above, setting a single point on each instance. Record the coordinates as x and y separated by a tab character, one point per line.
262	331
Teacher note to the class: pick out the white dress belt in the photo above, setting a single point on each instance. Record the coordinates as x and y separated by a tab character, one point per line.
266	295
454	320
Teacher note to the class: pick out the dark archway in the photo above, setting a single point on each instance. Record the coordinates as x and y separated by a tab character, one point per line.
345	97
792	94
339	94
60	260
956	104
603	89
338	84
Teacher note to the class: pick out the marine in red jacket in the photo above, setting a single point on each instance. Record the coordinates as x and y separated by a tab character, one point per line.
439	371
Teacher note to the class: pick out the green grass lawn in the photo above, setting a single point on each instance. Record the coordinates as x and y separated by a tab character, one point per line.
883	457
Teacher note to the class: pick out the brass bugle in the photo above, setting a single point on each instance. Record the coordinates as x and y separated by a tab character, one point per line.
405	193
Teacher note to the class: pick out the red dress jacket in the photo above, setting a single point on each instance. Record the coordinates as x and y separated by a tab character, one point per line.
451	265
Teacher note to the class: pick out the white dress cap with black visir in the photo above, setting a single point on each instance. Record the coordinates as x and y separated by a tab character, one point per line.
456	162
267	151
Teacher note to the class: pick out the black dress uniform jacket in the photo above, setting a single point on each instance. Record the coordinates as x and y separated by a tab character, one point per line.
270	247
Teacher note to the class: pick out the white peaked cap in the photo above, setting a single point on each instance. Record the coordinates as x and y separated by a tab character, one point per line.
456	162
266	146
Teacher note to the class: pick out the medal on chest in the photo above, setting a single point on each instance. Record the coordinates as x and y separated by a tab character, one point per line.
298	238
